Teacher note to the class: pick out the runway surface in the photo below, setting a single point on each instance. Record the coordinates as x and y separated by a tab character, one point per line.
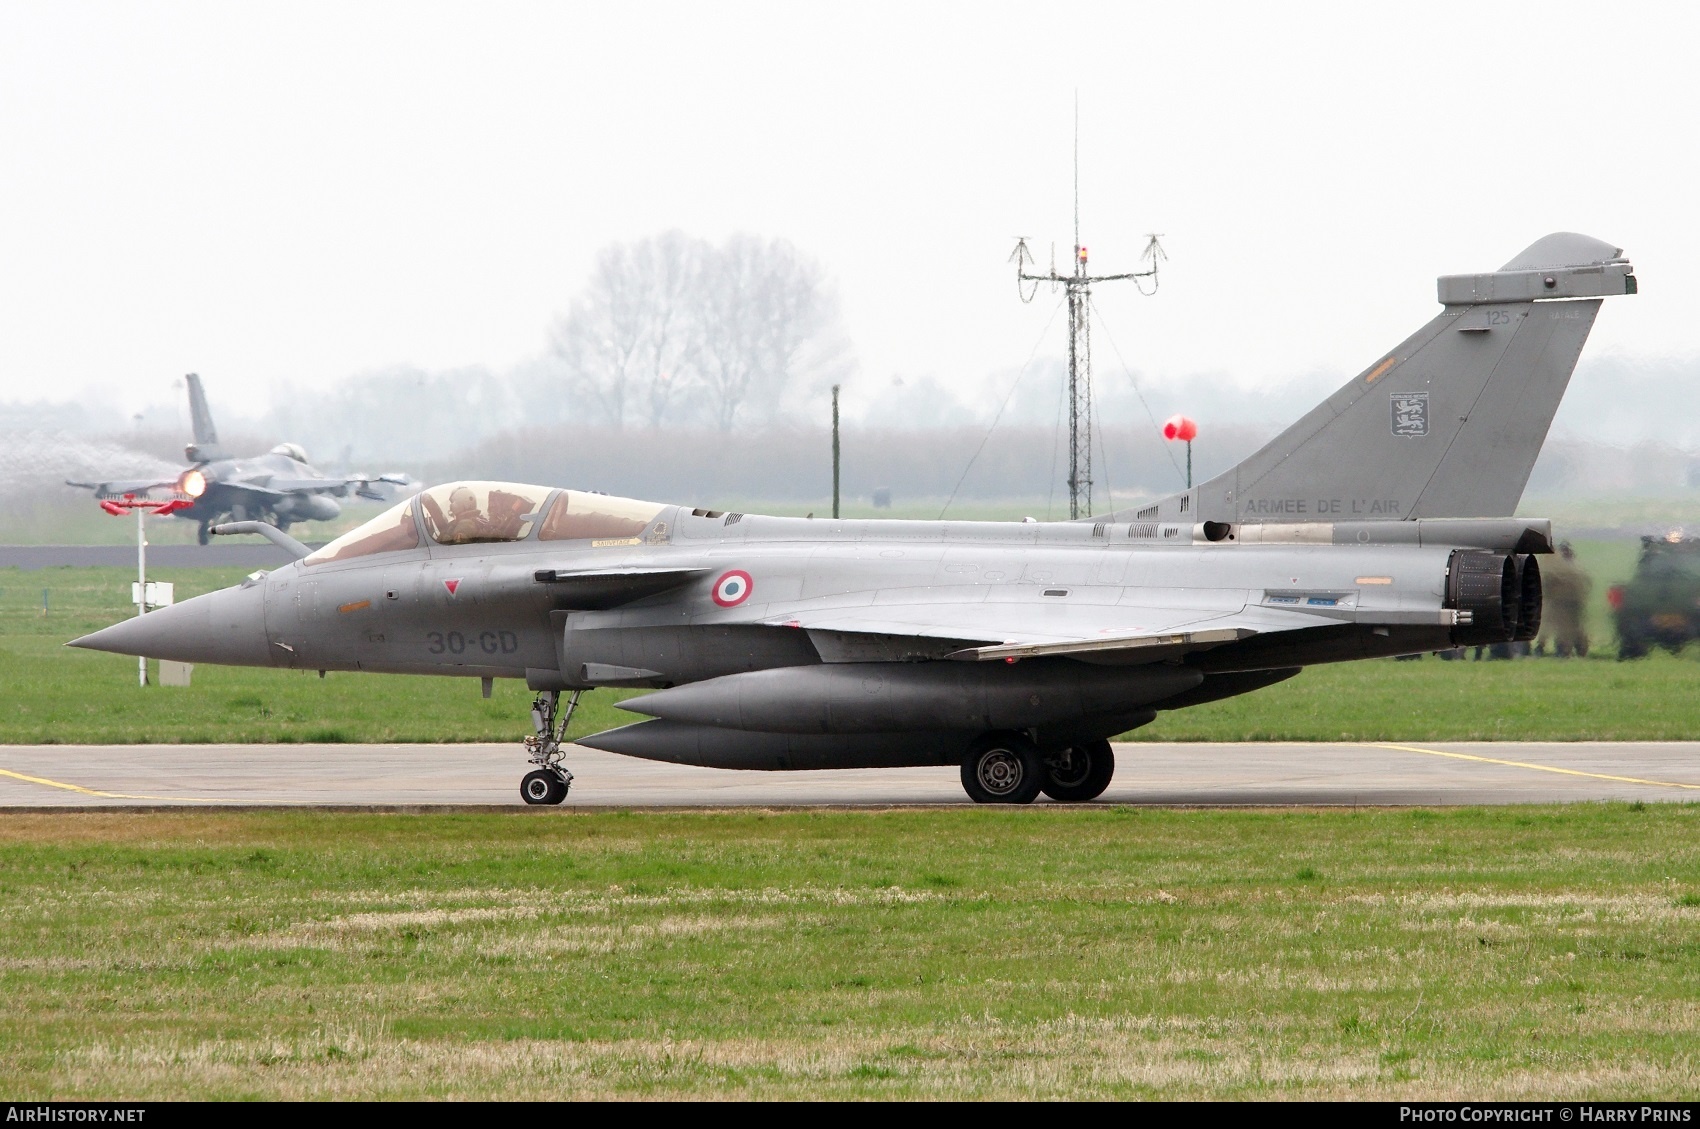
59	776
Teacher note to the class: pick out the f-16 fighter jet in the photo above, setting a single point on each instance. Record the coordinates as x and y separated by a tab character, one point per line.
277	488
1379	524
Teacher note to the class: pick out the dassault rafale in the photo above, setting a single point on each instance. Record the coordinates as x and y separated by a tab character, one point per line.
1379	524
279	487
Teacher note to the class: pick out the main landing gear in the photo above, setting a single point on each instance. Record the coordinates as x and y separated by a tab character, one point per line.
1008	768
1080	772
549	781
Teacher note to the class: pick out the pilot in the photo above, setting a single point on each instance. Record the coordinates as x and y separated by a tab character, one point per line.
1564	591
466	521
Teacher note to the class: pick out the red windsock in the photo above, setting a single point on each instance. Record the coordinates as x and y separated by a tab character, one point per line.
1180	427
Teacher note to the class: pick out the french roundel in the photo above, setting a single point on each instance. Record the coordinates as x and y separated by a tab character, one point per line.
733	588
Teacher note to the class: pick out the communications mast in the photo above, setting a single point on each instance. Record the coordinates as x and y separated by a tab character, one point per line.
1078	284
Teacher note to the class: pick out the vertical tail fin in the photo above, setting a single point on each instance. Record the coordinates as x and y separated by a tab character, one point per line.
1450	422
205	445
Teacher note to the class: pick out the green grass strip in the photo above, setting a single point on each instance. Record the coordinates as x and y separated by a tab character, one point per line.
1481	953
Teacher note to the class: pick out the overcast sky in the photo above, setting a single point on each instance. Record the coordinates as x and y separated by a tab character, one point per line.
302	191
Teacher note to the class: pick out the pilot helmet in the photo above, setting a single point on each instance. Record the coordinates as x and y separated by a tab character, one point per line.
462	501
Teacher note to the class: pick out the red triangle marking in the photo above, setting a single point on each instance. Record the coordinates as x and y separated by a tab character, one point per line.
451	585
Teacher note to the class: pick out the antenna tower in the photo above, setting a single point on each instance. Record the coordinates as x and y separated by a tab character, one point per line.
1078	283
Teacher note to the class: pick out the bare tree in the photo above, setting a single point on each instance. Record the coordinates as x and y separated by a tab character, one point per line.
603	333
729	364
670	269
670	318
763	303
630	340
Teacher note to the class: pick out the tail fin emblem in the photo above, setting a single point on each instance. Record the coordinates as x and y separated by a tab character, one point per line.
1410	413
451	585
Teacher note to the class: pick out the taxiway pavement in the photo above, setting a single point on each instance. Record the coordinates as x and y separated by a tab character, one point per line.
1390	773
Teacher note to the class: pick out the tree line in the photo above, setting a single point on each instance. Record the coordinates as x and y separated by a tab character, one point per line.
675	329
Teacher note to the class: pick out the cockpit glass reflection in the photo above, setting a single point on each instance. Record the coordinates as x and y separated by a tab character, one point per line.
474	513
577	515
389	531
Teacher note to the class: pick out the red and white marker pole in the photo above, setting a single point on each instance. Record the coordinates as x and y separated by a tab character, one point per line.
117	507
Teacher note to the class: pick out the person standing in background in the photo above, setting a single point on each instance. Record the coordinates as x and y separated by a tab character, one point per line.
1564	595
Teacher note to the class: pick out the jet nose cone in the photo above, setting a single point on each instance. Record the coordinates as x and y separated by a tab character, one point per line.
164	634
227	626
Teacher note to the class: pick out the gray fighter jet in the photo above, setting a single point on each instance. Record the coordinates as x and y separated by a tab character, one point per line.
277	488
1379	524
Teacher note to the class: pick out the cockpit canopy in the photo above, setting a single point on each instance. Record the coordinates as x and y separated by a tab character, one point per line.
389	532
475	513
290	450
472	513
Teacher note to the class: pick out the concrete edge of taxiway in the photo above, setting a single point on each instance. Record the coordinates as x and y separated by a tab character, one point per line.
707	809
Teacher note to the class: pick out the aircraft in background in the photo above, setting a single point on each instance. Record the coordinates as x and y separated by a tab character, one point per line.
1380	524
277	488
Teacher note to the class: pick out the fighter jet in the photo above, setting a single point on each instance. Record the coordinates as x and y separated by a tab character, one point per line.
1380	524
277	488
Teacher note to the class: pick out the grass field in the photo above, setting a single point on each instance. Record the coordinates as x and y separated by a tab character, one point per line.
50	693
1470	953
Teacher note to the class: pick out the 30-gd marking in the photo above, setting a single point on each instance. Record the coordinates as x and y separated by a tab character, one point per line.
1537	767
733	588
460	642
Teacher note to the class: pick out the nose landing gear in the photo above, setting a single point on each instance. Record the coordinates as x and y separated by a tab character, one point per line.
543	786
549	781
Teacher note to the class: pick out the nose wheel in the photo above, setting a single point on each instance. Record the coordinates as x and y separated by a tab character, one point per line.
543	787
549	781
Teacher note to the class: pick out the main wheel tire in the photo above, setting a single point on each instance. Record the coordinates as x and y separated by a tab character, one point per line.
1003	768
1080	772
540	787
203	535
